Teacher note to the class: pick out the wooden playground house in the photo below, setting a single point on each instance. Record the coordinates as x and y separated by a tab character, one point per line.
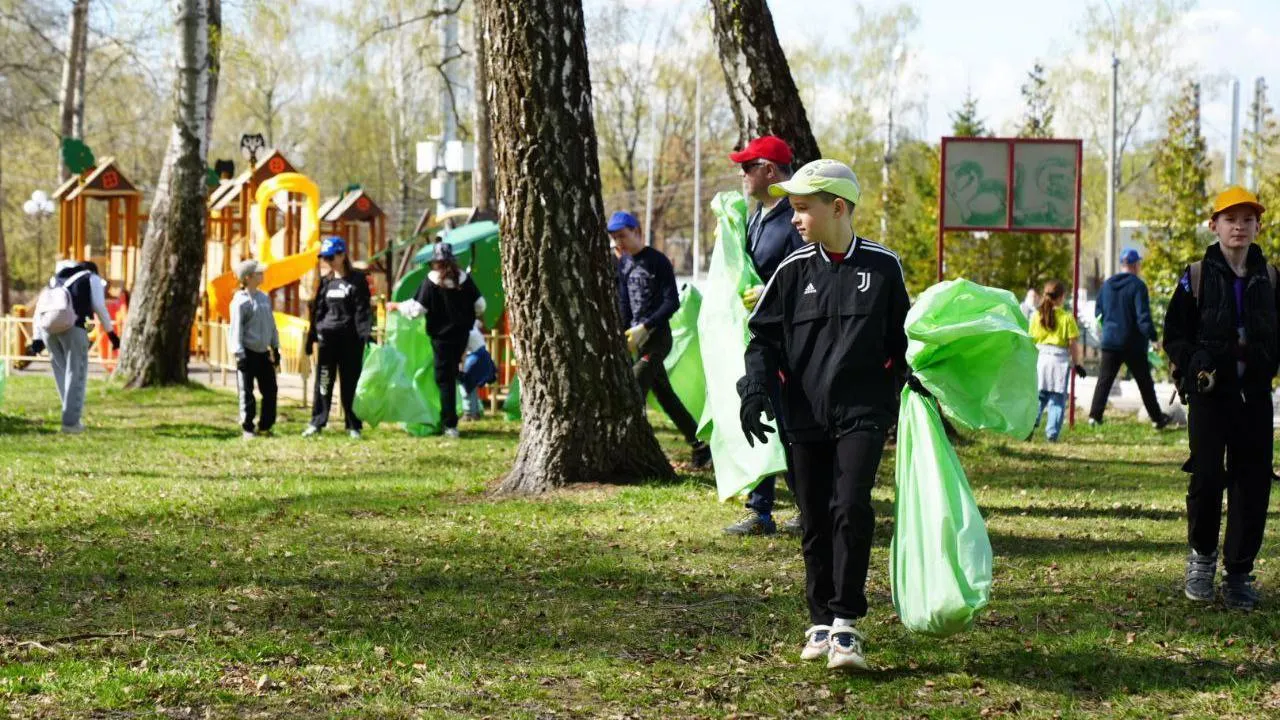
230	239
346	215
118	259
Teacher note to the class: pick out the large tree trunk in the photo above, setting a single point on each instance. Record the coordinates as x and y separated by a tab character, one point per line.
761	91
5	298
583	417
483	188
168	283
77	31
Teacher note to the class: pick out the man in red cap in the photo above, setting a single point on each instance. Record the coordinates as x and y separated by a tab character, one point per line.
770	239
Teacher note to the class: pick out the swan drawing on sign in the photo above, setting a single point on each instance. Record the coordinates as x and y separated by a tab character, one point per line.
1054	179
980	200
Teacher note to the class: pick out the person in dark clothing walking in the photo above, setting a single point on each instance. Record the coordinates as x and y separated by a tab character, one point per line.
1127	330
832	319
342	322
1221	334
452	303
771	237
647	298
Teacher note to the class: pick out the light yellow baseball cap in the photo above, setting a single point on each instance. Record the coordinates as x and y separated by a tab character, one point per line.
823	175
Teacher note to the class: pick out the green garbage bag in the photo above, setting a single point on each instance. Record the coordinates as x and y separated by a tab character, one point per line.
385	392
684	362
969	346
409	338
940	554
722	324
511	406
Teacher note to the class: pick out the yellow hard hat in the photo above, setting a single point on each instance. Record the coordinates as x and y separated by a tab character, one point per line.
1236	195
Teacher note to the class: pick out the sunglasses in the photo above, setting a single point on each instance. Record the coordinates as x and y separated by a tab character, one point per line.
750	166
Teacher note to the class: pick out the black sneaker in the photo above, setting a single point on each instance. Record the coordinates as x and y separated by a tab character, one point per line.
701	455
1238	592
792	527
1163	422
753	524
1201	570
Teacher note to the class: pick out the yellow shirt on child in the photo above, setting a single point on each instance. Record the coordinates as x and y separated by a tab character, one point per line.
1063	333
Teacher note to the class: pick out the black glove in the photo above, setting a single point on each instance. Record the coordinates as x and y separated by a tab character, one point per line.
310	345
916	386
754	401
370	341
115	340
274	355
36	347
1201	373
1080	371
242	361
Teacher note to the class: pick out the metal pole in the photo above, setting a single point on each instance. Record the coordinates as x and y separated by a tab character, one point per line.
648	195
449	40
1233	149
1112	160
697	175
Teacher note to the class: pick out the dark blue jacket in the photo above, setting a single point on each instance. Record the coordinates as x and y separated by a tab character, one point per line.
647	293
772	238
1126	313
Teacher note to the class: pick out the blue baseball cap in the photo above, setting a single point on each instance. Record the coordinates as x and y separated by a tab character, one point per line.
622	219
1130	256
332	245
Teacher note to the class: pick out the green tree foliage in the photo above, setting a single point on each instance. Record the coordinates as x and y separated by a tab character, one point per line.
912	211
1178	206
966	122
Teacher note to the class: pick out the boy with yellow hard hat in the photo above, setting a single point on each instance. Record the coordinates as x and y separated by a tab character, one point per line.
1222	334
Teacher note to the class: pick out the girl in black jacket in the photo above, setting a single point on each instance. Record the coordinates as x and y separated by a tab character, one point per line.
342	322
452	303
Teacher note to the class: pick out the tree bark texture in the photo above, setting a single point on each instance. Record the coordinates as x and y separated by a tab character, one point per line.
5	294
483	186
72	65
762	92
583	417
168	285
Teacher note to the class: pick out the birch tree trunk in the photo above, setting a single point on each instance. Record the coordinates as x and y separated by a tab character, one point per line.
483	187
583	417
77	31
762	93
168	285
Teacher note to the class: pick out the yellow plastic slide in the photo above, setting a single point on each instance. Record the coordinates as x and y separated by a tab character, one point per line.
280	271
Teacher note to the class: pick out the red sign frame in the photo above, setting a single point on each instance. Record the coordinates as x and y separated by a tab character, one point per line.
1009	227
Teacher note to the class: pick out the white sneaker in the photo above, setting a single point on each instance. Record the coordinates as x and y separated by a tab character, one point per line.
72	429
353	434
817	640
846	649
248	435
311	431
451	433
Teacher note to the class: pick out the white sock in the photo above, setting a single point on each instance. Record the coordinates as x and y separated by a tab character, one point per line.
842	622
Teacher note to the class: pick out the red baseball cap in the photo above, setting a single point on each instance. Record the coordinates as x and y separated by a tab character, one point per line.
770	147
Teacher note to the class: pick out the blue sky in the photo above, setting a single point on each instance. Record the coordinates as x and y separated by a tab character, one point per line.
988	45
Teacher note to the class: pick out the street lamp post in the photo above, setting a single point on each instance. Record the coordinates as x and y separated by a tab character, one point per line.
38	208
1112	160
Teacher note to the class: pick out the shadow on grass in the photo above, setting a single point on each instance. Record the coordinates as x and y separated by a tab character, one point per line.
15	425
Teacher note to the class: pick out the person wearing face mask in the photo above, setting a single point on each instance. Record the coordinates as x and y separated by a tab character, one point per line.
453	307
1221	334
342	325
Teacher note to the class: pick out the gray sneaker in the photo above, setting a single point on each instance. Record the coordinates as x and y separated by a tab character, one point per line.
753	524
311	431
1201	570
1238	591
792	527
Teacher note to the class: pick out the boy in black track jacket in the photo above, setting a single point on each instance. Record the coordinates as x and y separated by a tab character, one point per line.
831	320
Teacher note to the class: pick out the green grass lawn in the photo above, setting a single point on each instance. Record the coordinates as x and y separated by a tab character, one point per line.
159	566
